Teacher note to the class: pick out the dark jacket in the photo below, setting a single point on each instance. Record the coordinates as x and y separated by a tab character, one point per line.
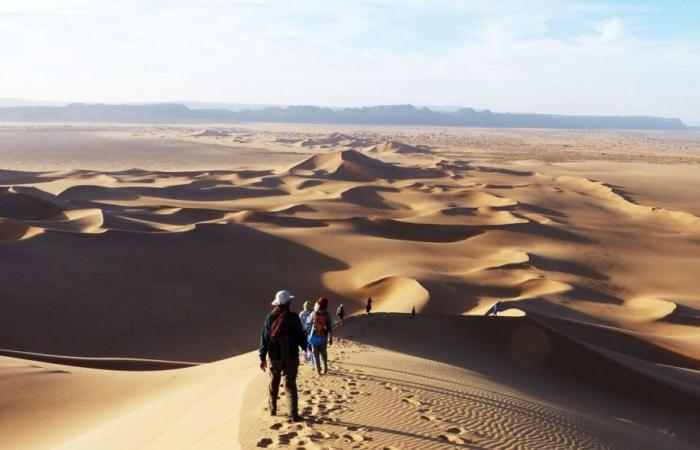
291	338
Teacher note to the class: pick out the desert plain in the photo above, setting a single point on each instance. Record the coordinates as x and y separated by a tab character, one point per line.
139	261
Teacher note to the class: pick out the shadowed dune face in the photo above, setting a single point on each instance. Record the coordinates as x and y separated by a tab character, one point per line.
202	252
203	304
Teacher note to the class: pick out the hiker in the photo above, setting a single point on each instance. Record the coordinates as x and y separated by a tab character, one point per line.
369	305
340	312
303	316
494	309
413	312
320	324
282	336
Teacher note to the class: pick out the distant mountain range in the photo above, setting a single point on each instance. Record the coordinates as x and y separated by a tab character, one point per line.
372	115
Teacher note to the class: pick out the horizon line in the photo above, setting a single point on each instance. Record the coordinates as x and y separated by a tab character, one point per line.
248	105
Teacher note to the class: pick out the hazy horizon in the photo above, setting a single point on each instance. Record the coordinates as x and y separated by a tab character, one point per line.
236	106
572	57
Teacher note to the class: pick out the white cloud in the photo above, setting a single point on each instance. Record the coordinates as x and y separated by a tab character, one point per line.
553	56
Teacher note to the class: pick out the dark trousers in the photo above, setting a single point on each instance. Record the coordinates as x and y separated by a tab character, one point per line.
321	354
289	368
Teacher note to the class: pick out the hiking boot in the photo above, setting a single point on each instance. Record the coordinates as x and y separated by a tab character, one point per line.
296	418
273	408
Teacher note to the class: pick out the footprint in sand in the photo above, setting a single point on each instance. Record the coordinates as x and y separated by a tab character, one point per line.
411	400
355	437
264	442
451	438
285	438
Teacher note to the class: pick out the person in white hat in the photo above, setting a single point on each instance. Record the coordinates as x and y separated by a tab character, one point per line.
281	338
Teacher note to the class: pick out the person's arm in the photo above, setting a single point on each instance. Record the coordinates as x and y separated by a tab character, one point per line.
330	328
264	343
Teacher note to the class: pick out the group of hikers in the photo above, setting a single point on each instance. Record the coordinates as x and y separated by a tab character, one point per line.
284	333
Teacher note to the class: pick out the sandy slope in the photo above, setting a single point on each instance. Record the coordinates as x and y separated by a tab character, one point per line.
479	388
66	407
446	236
180	266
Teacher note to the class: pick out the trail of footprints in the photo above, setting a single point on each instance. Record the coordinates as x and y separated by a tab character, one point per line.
447	430
321	401
478	415
490	419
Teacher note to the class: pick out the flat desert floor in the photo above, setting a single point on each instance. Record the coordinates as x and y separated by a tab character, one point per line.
139	261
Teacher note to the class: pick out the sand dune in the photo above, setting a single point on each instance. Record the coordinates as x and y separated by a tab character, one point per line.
397	147
155	266
207	132
448	382
28	204
402	213
351	165
396	294
330	140
13	231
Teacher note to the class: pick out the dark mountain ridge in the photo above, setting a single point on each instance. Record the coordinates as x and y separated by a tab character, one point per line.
369	115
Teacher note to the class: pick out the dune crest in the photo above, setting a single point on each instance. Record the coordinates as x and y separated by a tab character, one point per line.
13	231
398	147
395	293
209	132
351	165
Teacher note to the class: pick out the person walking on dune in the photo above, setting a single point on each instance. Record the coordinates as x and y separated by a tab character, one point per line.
368	307
320	325
494	309
304	316
413	313
281	338
340	312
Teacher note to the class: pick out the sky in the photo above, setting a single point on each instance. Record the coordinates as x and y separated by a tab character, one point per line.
550	56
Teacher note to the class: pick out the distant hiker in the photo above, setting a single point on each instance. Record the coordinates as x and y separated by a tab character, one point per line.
494	309
413	312
282	336
320	325
340	312
303	316
368	308
305	313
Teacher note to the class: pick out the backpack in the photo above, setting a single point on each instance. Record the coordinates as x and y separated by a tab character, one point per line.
321	324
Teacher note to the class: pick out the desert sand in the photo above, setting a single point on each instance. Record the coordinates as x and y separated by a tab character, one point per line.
139	262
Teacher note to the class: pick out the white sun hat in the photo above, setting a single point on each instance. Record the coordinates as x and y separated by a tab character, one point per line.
282	298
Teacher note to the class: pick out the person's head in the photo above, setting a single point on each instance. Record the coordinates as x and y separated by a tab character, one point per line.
321	304
282	299
307	306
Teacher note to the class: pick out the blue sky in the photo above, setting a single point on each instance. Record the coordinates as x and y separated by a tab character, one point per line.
558	56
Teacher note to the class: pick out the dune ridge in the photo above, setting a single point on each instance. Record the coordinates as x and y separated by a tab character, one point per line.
466	382
463	216
160	268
